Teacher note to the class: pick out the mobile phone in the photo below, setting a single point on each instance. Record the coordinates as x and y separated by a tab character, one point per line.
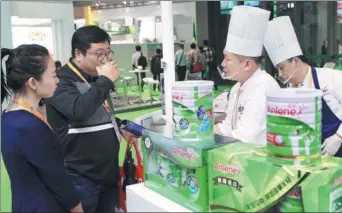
131	127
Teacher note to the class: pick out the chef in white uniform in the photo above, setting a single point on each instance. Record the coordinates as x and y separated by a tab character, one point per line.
246	114
286	55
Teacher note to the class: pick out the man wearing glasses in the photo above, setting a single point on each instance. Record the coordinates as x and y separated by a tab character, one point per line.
79	114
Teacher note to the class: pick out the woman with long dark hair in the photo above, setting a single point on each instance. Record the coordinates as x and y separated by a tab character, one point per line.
30	149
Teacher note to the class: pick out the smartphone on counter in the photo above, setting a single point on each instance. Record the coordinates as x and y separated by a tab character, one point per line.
130	127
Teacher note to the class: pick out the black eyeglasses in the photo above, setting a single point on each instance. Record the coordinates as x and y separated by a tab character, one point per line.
102	56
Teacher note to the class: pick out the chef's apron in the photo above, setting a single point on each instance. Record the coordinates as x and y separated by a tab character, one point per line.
330	123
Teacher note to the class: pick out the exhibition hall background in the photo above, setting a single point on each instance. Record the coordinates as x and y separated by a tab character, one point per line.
52	24
140	22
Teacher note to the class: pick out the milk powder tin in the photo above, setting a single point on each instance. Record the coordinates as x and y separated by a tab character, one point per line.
294	122
193	110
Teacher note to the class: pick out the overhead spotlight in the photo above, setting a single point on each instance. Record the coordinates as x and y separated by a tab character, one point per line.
124	2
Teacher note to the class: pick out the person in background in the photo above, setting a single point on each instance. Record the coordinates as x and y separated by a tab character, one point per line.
79	113
142	62
324	52
192	57
58	65
202	60
156	67
286	55
246	113
136	56
210	56
31	151
180	62
339	47
135	62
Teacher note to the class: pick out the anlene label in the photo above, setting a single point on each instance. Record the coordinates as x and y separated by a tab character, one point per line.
293	109
281	111
297	113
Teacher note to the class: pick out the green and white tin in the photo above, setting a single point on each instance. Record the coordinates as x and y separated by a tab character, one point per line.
193	110
294	122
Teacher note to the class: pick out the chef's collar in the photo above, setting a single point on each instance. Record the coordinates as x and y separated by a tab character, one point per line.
307	78
251	79
84	74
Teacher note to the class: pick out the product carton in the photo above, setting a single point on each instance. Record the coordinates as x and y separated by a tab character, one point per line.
241	178
178	170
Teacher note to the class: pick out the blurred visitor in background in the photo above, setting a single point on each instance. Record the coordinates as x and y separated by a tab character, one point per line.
202	60
210	56
156	67
180	62
192	57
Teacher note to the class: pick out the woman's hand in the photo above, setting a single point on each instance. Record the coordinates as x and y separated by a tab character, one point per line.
127	135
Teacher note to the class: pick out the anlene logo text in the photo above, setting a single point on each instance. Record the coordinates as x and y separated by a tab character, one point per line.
232	169
183	154
280	111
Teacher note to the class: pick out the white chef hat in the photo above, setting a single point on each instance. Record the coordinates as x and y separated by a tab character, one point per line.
246	31
281	42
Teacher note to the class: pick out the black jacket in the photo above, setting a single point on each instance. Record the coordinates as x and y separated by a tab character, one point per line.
77	115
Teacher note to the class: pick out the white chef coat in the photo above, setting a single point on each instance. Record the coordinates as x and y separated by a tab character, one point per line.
247	108
135	58
330	82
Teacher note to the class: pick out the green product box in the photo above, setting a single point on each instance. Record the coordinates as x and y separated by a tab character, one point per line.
177	170
241	179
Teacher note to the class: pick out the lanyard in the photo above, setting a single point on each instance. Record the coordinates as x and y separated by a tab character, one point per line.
105	104
24	104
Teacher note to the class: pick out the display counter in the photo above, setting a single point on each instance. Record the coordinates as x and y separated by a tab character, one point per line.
175	179
143	199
